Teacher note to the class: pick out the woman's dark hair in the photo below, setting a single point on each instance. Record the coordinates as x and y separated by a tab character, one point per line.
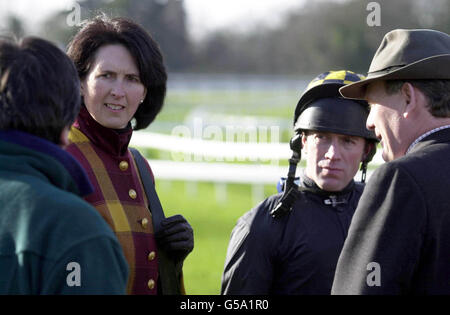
39	88
102	31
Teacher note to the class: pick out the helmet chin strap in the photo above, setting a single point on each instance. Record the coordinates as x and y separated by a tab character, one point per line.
372	150
363	172
290	188
296	147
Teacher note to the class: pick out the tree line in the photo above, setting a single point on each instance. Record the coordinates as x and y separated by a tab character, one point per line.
326	34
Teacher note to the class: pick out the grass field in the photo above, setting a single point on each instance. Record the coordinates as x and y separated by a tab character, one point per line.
212	217
212	221
247	102
181	106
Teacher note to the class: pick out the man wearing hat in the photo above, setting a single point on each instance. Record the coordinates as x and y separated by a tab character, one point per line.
399	239
290	243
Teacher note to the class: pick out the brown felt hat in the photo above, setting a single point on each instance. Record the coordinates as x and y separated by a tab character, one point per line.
406	55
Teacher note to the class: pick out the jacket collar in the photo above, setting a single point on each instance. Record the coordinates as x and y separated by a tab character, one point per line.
308	183
30	145
114	142
441	136
331	198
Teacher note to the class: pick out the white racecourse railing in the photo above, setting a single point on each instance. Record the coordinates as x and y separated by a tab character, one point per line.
191	159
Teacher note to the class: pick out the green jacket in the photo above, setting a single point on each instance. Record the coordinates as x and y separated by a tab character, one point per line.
52	241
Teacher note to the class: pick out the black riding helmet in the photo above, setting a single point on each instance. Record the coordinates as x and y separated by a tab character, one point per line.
322	108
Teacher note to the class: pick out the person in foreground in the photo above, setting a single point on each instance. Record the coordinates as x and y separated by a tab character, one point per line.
123	85
289	244
51	240
399	239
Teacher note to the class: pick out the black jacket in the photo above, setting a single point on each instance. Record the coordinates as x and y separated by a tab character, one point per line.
294	254
399	239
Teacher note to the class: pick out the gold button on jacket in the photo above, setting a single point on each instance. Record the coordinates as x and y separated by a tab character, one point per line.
132	193
144	223
123	165
151	284
151	256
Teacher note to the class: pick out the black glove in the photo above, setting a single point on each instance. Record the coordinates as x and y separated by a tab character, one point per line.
176	237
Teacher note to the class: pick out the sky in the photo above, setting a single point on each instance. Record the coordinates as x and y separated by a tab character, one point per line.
212	14
203	15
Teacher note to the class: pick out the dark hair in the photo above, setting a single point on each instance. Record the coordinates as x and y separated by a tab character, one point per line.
39	88
436	91
102	31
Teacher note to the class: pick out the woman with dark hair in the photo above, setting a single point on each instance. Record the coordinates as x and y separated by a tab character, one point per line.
123	85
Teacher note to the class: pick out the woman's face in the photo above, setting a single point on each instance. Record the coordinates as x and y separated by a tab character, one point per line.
112	90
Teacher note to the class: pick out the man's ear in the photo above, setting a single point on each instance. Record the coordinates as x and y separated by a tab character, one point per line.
64	137
368	149
409	94
304	141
